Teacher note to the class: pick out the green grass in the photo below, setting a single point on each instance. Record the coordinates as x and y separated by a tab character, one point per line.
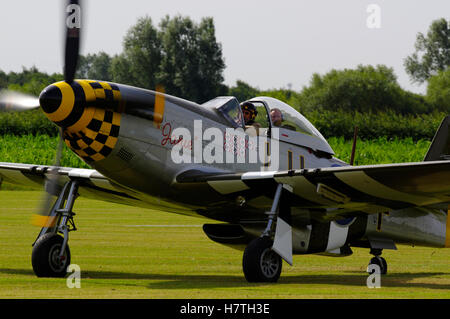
118	260
40	149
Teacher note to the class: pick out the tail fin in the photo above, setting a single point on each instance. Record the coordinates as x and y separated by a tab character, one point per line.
440	146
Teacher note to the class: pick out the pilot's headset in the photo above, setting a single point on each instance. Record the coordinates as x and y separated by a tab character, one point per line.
247	106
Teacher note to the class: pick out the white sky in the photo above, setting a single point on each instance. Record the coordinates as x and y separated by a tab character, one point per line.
266	43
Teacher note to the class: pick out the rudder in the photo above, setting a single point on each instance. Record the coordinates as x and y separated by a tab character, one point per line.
440	146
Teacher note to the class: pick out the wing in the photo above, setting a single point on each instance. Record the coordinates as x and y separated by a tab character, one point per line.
92	184
343	190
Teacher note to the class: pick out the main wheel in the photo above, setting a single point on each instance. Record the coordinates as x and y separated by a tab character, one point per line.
381	262
260	263
45	256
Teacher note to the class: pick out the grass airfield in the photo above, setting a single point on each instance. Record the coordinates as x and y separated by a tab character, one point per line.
128	252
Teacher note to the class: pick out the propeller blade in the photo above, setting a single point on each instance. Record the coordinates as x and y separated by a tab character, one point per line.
15	101
72	46
52	185
71	53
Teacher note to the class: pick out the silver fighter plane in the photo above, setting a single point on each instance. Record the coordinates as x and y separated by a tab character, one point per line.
270	183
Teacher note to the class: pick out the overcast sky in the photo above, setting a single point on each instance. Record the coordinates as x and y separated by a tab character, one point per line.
266	43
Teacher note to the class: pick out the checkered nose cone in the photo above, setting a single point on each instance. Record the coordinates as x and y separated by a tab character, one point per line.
89	113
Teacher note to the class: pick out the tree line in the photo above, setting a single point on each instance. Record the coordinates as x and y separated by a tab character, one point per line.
185	58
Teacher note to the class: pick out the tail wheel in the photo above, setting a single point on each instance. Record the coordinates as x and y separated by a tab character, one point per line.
46	259
260	263
381	262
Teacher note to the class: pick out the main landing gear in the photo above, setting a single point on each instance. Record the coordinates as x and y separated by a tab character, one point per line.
260	262
51	253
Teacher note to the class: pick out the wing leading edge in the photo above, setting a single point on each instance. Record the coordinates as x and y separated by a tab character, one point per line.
92	184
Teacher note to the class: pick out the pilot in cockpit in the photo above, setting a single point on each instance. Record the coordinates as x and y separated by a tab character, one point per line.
250	113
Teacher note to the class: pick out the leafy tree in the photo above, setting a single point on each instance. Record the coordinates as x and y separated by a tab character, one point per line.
192	63
3	80
243	91
286	95
139	63
438	90
182	56
31	80
95	66
364	89
432	52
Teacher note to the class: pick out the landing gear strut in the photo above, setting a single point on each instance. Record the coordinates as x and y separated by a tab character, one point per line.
51	253
378	260
260	262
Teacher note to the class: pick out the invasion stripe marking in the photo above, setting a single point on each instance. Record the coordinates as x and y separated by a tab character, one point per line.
258	175
228	186
362	182
17	177
305	189
337	237
356	195
357	228
318	240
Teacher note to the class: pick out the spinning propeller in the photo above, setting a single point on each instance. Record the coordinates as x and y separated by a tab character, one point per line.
14	101
63	104
71	53
17	102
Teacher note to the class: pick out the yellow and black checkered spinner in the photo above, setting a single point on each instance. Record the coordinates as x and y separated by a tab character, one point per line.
90	114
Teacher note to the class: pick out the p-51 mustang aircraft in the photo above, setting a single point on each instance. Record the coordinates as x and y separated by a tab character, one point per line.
272	181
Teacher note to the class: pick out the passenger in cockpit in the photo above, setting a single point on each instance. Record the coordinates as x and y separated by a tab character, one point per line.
276	117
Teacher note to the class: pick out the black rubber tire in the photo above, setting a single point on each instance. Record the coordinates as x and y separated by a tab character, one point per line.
260	263
381	262
43	257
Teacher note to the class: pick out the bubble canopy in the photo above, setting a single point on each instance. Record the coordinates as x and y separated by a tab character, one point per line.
290	115
294	128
